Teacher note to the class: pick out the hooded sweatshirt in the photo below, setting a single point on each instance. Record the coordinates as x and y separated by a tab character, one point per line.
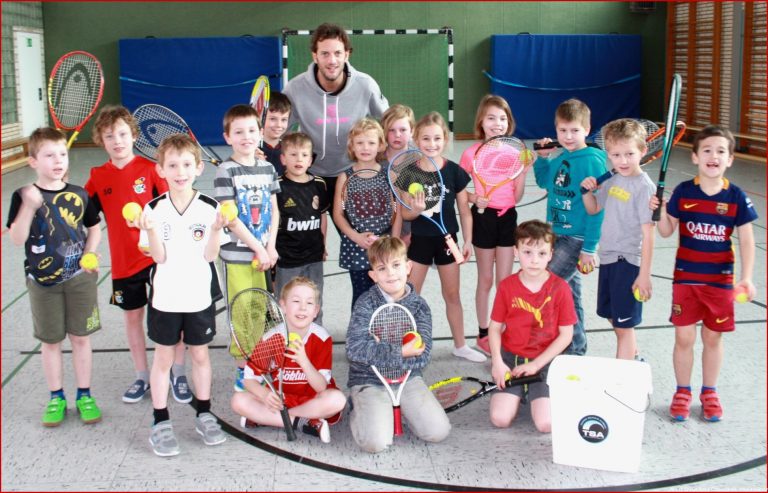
328	117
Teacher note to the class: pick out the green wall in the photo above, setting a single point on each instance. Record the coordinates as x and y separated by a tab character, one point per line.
97	26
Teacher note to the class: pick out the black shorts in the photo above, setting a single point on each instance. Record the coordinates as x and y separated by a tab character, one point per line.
529	391
426	249
130	293
489	230
165	328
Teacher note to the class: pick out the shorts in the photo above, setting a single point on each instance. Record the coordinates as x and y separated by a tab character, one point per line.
692	303
489	230
615	299
70	307
530	391
130	293
165	328
426	249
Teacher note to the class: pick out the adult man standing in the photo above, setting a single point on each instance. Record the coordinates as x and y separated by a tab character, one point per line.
329	98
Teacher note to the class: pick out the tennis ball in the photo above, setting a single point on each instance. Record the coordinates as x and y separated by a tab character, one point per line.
293	336
638	296
411	335
131	211
255	263
143	249
89	261
584	269
229	210
415	188
527	157
507	376
740	294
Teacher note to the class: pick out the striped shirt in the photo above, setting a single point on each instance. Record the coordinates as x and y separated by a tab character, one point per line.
705	253
251	187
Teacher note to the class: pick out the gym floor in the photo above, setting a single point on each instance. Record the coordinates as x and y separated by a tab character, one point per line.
115	455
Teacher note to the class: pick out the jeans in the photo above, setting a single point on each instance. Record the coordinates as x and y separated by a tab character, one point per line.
563	264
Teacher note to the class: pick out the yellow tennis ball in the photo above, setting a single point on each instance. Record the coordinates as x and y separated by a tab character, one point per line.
229	210
740	294
411	335
143	249
293	336
415	188
255	263
584	269
89	261
638	296
131	211
507	376
527	157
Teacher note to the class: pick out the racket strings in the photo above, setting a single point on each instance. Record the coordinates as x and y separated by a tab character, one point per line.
155	124
388	327
251	316
368	202
448	395
269	353
408	168
75	89
496	161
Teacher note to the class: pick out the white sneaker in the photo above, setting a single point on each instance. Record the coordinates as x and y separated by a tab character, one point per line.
470	354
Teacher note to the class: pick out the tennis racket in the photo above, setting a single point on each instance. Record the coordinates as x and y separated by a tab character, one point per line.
156	122
455	393
410	167
654	145
674	103
498	161
548	145
260	102
75	88
388	325
367	202
260	334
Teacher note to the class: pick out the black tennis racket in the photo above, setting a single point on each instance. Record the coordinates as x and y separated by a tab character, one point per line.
261	335
411	167
674	104
75	88
456	392
156	122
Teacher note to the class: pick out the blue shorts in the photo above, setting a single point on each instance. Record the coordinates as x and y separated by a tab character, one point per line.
615	300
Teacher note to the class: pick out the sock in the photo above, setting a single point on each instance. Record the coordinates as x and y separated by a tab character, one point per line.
83	392
179	370
482	332
687	388
707	389
58	393
143	375
203	406
161	415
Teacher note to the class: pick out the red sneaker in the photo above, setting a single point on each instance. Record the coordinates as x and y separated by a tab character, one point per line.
483	345
680	409
710	405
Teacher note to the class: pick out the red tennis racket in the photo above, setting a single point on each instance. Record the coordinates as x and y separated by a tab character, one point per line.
75	88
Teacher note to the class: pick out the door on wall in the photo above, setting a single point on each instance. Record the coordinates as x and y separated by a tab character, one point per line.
30	80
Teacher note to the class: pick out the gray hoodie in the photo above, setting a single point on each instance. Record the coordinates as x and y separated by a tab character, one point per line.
327	118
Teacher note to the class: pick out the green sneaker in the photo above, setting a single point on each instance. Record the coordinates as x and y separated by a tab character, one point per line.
55	412
89	411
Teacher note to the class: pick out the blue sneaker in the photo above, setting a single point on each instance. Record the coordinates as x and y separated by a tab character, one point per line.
239	380
136	391
180	389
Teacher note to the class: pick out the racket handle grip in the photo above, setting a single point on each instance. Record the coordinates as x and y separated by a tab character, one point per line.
457	256
659	195
398	421
600	180
550	145
289	433
480	210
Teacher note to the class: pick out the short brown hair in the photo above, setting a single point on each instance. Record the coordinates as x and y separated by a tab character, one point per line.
361	126
295	139
385	248
396	112
279	102
532	231
488	101
179	143
330	31
625	129
240	111
42	135
573	110
108	117
300	281
714	131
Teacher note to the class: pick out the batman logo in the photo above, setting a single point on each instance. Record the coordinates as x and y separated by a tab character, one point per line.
45	263
71	208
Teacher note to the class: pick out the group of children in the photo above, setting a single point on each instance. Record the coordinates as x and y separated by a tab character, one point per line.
280	223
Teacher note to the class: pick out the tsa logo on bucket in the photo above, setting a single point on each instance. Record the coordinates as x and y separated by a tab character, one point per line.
593	428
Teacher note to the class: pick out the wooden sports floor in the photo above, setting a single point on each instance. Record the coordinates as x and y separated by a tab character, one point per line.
115	455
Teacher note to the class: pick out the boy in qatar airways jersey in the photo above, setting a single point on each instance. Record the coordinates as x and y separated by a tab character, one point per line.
311	395
126	178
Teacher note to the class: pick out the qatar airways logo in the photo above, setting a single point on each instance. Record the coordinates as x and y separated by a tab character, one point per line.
706	232
331	116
